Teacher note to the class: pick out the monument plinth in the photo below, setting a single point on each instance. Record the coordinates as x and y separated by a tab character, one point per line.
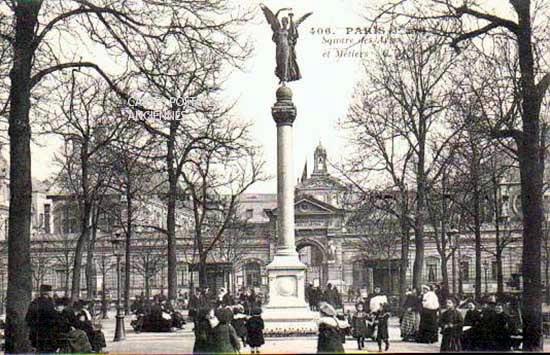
287	308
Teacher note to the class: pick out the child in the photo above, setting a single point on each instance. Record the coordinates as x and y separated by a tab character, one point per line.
451	327
255	330
239	322
359	326
381	320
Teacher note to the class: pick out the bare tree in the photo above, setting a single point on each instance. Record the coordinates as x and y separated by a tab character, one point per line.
134	178
32	30
472	23
216	176
400	104
376	235
90	122
41	266
149	258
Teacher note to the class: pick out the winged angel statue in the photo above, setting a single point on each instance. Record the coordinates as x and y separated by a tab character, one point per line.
285	36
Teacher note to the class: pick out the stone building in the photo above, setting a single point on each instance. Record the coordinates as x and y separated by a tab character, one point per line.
333	250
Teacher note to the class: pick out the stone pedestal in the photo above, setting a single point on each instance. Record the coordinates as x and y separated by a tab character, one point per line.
287	308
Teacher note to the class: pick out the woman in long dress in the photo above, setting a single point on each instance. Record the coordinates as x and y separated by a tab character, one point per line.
451	323
411	316
428	328
330	332
225	339
203	331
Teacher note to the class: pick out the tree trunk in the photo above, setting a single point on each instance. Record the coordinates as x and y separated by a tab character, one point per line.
147	287
90	267
498	247
532	229
19	290
85	213
171	219
67	281
203	281
444	272
128	256
404	263
531	175
500	277
547	278
477	220
103	293
420	207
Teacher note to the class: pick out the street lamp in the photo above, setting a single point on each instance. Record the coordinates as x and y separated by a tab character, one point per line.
486	269
118	251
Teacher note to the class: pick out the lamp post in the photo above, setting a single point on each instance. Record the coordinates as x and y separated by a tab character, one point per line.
118	251
486	269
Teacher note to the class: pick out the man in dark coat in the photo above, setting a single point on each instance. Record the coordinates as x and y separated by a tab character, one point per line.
194	303
41	318
307	293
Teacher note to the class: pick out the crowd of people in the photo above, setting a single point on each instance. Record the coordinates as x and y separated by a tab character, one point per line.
61	325
156	315
463	324
315	295
222	322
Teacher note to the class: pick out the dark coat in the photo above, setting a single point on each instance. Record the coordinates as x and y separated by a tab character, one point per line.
225	339
203	334
330	336
228	300
471	338
255	331
451	323
239	323
382	325
359	325
485	334
502	330
42	318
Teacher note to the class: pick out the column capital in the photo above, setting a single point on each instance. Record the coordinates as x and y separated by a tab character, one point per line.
284	111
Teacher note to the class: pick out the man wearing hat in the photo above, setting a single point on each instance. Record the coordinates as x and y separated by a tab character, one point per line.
41	318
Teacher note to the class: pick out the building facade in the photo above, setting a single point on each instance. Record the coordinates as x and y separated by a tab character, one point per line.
334	251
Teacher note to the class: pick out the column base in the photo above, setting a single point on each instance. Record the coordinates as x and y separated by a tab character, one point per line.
287	308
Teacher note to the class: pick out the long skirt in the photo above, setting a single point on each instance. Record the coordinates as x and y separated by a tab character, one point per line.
409	324
427	332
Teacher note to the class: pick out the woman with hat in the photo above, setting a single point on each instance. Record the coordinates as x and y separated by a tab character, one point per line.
225	339
411	316
330	333
203	331
451	327
427	332
239	322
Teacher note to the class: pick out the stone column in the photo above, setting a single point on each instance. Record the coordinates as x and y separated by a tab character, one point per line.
287	308
284	114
